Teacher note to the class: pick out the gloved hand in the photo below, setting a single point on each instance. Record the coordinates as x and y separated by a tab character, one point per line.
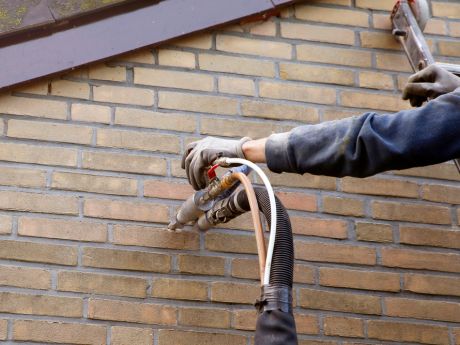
430	82
199	155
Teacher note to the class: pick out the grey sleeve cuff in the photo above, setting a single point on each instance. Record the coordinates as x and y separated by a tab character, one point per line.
277	152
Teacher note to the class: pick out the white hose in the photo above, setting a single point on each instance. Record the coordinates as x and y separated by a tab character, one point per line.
271	196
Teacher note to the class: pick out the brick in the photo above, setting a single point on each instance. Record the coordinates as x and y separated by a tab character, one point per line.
334	2
33	107
138	140
331	228
101	284
343	206
94	183
115	209
154	237
230	243
204	317
344	327
430	237
126	260
441	193
3	329
245	319
374	232
141	56
157	120
173	79
245	268
376	40
456	333
146	313
337	114
449	48
421	260
22	177
50	132
36	154
91	113
297	92
332	55
316	74
206	265
72	89
16	303
327	300
198	103
62	229
24	277
445	9
124	95
236	65
124	163
436	27
322	252
410	332
411	212
227	292
176	58
439	171
304	274
422	309
318	33
276	111
111	73
248	46
178	337
131	335
167	190
432	284
332	15
180	289
36	88
59	332
454	29
355	279
6	224
378	186
39	203
234	128
373	101
38	252
392	62
375	80
385	5
264	28
306	324
298	201
237	86
200	41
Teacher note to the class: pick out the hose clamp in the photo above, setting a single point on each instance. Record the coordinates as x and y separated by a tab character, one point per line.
275	297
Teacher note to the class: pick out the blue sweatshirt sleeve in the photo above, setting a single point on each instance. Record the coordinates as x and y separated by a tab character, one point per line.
371	143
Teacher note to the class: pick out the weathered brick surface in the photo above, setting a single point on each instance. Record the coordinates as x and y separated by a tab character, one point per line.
59	332
90	175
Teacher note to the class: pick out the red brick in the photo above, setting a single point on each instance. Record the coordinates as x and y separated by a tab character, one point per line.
354	279
421	260
430	237
322	252
146	313
319	227
417	213
402	332
167	190
432	284
328	300
144	236
423	309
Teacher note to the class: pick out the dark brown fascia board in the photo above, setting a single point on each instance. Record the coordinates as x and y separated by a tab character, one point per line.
125	32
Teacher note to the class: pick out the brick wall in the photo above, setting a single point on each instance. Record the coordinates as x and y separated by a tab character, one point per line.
90	175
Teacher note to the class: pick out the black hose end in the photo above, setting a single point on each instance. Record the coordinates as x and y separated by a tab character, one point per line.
275	297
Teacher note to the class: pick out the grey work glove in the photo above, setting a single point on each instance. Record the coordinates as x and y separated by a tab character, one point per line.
429	83
200	155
